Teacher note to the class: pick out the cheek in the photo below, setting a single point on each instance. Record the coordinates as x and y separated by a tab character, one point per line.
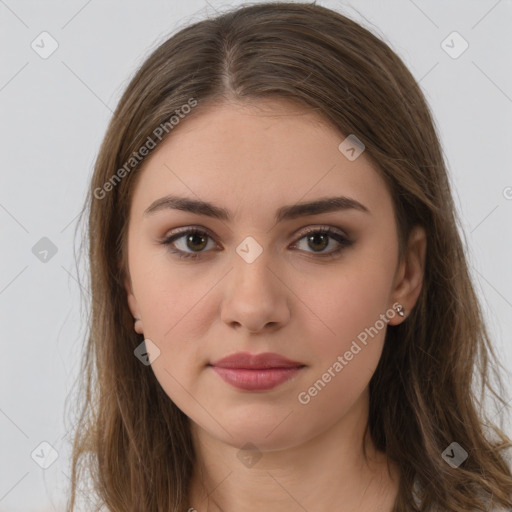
353	332
171	295
342	306
178	305
348	352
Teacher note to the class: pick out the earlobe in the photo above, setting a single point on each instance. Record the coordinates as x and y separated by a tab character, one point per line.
410	276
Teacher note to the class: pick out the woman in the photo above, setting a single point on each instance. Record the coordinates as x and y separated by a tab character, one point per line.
282	316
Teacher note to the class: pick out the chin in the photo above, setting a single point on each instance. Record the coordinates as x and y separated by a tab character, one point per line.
253	439
267	432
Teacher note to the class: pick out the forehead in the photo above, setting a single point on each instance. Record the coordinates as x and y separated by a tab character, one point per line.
245	156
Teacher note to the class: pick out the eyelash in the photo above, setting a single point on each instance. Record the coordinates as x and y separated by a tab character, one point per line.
323	230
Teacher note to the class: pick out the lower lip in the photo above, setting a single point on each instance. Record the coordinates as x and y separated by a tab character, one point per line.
256	380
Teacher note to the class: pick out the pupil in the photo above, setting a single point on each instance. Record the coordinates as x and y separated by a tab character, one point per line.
193	236
313	237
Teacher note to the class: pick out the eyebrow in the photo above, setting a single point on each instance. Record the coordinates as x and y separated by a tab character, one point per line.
329	204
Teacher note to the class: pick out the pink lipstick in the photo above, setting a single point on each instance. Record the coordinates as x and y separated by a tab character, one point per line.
258	372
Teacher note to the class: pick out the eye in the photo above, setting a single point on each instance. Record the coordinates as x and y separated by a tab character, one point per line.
318	239
193	238
196	240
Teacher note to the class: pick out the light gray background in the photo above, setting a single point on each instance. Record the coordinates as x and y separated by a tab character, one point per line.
54	115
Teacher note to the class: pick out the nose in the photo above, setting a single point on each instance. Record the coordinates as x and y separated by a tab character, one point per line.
256	298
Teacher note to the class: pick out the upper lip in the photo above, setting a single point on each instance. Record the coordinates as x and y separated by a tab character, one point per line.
255	361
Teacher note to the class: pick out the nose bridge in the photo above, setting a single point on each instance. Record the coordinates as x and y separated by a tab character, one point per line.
254	297
251	268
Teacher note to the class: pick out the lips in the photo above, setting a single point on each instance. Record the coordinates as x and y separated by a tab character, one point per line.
259	372
245	360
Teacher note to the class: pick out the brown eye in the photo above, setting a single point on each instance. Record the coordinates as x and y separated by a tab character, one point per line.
196	241
319	239
189	244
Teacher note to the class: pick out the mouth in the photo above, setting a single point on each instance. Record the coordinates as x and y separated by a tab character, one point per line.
258	372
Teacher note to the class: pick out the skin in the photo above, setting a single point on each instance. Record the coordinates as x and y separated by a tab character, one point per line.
251	159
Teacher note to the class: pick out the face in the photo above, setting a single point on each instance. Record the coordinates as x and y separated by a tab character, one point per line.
248	281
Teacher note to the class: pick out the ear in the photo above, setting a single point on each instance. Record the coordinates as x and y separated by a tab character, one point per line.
409	276
133	305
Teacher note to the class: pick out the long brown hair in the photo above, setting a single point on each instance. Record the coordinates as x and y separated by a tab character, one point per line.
131	439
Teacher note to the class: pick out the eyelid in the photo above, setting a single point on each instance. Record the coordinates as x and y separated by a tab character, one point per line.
187	229
299	233
320	227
